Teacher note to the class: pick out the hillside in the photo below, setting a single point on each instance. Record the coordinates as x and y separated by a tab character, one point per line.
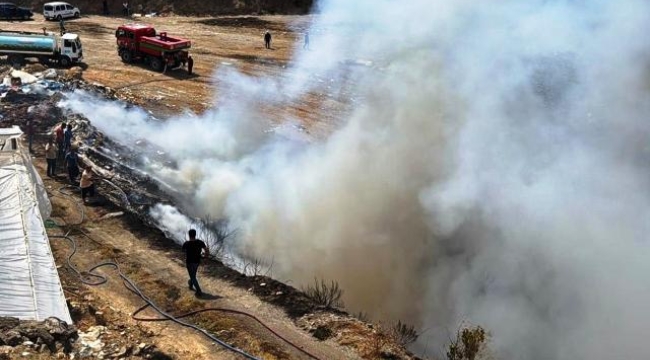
188	7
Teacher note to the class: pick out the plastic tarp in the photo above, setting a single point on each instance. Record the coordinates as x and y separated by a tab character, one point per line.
30	288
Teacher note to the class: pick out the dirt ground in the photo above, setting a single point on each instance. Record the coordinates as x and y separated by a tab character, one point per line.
154	262
217	43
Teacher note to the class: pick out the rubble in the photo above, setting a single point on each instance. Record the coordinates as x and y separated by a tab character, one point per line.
51	335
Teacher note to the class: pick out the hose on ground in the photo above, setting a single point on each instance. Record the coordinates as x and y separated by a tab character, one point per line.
224	310
130	285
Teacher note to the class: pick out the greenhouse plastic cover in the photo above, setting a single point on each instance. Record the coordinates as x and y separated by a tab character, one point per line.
30	288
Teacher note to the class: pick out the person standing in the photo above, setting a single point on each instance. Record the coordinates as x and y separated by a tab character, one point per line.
67	138
86	184
193	249
72	164
30	133
51	153
125	8
267	39
62	26
306	45
190	64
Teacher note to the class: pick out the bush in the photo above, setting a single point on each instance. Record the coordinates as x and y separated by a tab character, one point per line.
214	234
469	341
324	294
404	334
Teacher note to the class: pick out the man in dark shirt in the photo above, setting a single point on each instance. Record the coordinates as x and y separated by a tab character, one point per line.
72	164
193	249
67	138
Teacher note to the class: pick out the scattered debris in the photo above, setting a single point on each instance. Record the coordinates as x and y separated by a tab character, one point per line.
51	334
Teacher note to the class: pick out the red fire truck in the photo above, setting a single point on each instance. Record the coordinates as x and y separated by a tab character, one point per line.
138	42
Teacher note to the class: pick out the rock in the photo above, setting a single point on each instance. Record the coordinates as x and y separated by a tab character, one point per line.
50	74
25	354
322	333
11	337
5	349
123	352
36	331
75	73
42	348
28	343
8	322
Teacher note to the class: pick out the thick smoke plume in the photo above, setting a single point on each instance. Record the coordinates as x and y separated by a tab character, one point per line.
495	168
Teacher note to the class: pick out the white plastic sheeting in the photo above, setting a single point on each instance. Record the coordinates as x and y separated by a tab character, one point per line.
30	288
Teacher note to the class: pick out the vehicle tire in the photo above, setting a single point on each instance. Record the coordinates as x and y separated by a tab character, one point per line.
77	15
65	62
59	17
126	56
16	61
156	64
44	60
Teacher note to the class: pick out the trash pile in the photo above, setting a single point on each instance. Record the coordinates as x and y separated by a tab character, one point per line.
42	82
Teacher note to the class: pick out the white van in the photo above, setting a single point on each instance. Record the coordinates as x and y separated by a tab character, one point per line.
60	10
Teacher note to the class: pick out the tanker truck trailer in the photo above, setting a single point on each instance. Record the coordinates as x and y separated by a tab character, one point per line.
47	48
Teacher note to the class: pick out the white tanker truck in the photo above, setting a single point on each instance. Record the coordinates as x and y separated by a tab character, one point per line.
47	48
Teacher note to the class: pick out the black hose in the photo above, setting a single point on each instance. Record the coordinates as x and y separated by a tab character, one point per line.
132	287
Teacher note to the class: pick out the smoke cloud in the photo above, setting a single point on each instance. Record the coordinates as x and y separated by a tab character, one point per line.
494	167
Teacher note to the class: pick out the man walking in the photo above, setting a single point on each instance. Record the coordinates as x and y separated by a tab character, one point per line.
267	39
193	249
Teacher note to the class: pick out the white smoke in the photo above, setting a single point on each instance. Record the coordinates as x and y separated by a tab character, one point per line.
495	168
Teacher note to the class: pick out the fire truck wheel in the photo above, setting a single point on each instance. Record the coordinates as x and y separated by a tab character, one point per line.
156	64
126	55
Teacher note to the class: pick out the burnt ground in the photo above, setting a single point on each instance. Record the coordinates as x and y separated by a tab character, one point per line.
145	255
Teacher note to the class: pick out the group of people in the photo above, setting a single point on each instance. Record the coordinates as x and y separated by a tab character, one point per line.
59	149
